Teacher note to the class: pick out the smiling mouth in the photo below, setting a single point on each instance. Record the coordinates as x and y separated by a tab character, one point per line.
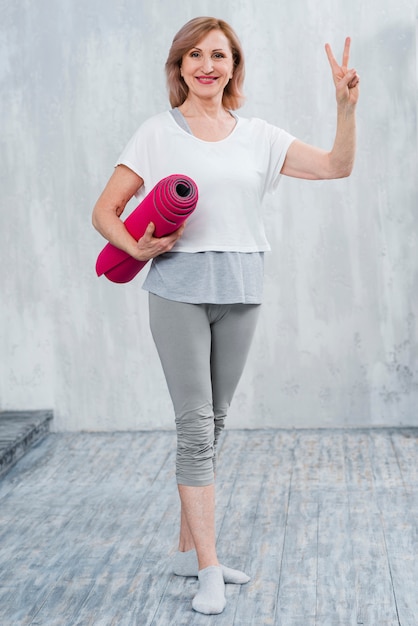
207	80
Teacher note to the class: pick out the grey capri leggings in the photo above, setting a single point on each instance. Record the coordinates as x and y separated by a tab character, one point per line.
203	349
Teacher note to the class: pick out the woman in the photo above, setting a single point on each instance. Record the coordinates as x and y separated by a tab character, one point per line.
205	279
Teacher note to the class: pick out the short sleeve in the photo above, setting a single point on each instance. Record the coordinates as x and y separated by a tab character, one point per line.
277	143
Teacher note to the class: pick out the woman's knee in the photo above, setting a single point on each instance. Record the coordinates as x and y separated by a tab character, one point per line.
195	446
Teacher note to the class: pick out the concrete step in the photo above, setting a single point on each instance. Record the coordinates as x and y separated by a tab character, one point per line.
19	431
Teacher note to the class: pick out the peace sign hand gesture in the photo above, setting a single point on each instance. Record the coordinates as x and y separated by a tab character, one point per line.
346	81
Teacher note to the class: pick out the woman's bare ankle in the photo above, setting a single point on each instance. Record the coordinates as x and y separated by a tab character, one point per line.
205	562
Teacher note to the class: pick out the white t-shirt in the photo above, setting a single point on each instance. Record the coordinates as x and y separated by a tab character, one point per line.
232	175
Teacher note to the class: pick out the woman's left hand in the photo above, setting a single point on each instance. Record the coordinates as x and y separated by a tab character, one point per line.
346	81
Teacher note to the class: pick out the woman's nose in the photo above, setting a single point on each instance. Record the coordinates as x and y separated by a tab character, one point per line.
207	65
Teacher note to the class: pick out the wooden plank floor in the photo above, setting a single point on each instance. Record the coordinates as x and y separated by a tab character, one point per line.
324	521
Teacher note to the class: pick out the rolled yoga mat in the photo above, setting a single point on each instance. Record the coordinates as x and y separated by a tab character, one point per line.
167	205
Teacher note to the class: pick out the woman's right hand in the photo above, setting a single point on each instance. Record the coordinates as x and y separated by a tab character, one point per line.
148	246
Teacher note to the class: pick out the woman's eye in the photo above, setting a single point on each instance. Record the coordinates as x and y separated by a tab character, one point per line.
218	55
194	55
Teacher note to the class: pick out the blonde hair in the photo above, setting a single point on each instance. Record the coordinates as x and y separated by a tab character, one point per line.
187	37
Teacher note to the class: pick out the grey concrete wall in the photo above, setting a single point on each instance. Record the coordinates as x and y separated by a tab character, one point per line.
337	341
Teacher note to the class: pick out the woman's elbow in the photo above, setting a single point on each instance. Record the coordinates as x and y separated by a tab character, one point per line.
343	172
94	219
346	171
339	169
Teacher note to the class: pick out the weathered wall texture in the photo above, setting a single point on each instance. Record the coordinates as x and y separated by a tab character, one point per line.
337	342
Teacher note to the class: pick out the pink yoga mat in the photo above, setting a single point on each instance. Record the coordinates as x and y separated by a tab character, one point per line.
167	205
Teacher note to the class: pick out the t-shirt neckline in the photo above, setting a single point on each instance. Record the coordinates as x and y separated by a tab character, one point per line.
179	119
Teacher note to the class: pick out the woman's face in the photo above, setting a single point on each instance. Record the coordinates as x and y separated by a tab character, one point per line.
207	68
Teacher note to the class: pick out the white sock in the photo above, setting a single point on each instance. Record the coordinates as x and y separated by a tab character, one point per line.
210	599
186	564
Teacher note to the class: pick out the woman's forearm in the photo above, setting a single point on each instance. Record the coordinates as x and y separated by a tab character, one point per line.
342	155
113	229
120	188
